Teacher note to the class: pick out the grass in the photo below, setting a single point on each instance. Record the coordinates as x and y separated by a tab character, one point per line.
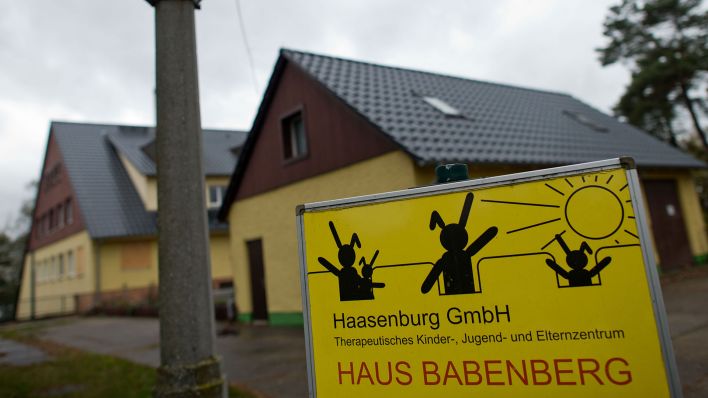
74	373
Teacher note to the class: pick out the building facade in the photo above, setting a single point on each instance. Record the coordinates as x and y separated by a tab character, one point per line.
93	241
329	128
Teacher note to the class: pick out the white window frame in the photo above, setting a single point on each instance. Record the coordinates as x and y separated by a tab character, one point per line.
69	211
70	264
442	106
60	266
60	215
220	192
295	139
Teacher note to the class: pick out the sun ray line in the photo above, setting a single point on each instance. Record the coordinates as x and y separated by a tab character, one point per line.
559	192
533	226
631	234
551	241
630	217
609	179
570	183
624	187
596	178
628	201
520	203
583	177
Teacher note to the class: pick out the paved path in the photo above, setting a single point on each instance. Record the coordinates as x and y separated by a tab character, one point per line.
268	360
271	360
17	354
686	302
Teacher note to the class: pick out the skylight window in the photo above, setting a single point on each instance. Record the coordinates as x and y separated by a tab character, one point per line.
586	121
442	106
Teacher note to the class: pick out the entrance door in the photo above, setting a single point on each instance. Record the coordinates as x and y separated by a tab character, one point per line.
258	290
667	224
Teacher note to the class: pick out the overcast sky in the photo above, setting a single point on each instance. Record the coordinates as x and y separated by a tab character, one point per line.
93	61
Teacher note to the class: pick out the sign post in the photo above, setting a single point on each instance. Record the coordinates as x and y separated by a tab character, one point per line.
538	284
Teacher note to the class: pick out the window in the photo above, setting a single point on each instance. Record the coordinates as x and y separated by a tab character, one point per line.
60	266
70	264
216	195
80	261
60	215
442	106
294	137
52	219
585	120
53	268
136	255
39	271
68	212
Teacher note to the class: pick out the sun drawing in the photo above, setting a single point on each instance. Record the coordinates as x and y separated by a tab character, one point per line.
595	207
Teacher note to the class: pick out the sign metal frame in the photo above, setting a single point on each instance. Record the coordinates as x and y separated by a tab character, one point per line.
634	187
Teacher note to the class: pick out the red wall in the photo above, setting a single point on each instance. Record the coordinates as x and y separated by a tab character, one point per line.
337	135
54	188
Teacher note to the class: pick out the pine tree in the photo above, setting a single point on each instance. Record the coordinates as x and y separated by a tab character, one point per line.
665	44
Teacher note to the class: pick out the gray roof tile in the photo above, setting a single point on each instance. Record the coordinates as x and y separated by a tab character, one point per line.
109	203
217	157
500	123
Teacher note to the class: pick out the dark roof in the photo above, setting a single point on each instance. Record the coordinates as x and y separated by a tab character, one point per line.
500	124
109	203
136	144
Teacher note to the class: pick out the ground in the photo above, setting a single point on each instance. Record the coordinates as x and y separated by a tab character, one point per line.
270	361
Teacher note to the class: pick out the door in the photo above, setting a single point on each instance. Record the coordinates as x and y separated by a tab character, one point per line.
257	271
667	224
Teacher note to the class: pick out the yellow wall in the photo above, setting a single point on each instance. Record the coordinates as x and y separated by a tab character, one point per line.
690	207
124	265
692	213
116	274
55	293
220	257
151	204
146	186
271	217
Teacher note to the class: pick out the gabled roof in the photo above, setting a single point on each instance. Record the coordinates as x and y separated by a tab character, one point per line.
109	203
497	124
137	145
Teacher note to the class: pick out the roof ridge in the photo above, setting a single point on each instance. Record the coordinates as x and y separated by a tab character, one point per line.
204	129
285	51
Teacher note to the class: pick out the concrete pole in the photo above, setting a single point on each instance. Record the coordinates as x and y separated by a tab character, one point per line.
189	367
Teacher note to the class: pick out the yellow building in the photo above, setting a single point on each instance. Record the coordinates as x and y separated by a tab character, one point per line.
93	242
329	128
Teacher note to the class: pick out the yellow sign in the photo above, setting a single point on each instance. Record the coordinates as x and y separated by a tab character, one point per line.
534	288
